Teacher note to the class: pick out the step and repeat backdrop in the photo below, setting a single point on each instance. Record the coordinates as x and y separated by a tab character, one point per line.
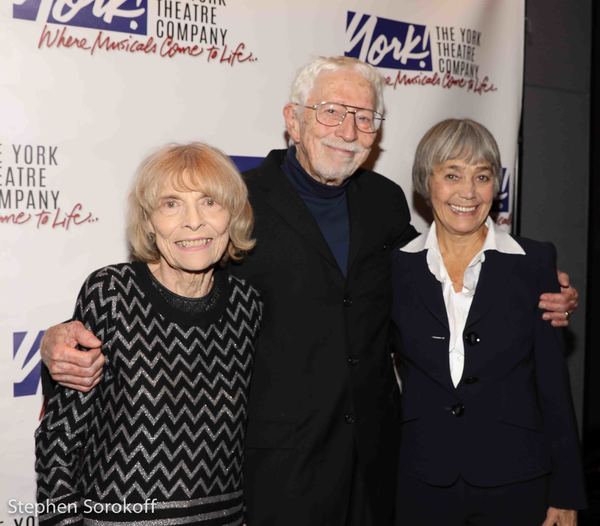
89	87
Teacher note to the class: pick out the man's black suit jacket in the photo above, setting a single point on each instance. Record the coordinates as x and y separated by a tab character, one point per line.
511	417
323	388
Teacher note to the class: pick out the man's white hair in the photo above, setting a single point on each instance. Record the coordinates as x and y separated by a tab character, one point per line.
306	77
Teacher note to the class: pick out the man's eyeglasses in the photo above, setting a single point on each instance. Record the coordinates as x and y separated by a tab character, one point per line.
333	114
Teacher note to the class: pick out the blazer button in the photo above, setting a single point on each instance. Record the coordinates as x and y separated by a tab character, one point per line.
471	380
347	302
349	418
458	410
351	360
472	338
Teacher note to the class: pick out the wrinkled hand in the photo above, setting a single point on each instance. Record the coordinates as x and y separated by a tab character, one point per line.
558	304
560	517
70	367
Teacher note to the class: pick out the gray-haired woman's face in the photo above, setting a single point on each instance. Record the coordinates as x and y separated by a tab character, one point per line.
461	195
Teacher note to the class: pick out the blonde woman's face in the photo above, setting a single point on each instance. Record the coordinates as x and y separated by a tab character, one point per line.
191	229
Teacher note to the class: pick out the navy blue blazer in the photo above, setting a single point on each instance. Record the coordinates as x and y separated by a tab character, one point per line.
511	416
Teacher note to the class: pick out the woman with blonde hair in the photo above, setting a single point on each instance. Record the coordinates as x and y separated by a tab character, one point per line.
160	439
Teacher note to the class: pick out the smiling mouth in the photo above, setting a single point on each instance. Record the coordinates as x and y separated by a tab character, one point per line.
463	209
342	151
189	243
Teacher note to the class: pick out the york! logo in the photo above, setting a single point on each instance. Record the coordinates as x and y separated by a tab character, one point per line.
502	203
387	43
126	16
27	362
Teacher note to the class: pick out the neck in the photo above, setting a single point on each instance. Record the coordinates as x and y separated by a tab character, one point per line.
460	245
458	250
181	282
328	182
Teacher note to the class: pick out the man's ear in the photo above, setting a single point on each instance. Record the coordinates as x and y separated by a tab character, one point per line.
292	123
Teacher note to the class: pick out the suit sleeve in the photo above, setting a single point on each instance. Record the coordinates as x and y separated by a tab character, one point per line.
48	384
407	232
554	394
62	433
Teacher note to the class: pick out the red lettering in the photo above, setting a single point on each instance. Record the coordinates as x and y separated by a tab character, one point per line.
43	218
484	86
73	218
130	45
450	81
61	38
403	79
19	218
169	49
236	56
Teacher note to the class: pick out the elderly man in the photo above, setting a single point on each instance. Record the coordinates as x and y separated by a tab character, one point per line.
323	407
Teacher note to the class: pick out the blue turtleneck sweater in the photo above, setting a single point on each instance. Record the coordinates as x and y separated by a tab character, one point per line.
327	204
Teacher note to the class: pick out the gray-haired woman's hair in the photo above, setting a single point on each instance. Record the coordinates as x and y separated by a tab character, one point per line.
462	139
306	76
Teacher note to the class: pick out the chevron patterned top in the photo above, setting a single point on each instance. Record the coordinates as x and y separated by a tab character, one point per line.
160	439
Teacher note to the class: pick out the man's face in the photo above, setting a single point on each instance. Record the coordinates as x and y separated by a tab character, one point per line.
331	154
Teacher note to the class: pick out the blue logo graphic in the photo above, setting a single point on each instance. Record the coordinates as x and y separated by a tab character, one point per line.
388	43
501	203
244	163
27	10
126	16
26	346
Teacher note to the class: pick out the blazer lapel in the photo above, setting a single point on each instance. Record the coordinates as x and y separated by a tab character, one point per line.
428	288
491	284
358	215
282	197
429	292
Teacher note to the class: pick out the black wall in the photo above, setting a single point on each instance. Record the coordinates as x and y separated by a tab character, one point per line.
555	162
592	406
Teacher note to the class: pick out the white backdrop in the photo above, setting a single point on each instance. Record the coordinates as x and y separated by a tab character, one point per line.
89	87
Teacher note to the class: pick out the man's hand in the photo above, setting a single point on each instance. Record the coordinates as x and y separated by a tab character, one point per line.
558	517
560	306
70	367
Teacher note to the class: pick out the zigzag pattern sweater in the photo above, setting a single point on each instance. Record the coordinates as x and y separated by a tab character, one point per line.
160	439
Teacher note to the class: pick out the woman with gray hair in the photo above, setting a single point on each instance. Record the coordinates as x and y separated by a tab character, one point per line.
488	429
160	439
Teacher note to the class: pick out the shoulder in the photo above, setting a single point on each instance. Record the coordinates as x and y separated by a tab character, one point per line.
99	293
402	259
270	165
539	264
105	274
381	195
261	180
109	278
246	295
377	189
537	252
375	182
241	289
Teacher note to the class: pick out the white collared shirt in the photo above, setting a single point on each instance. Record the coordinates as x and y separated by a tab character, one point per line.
458	304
